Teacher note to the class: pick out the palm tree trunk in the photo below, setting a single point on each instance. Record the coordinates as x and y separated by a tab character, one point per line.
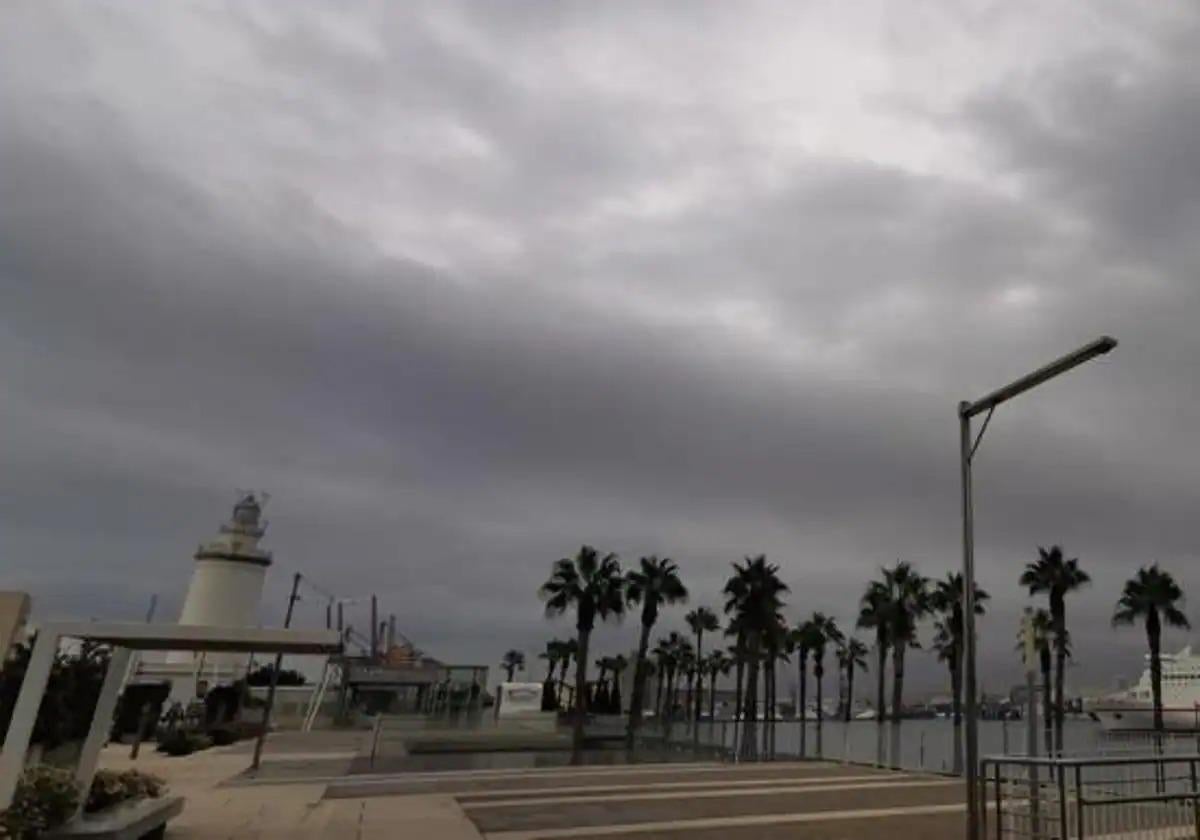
849	692
897	682
639	686
691	685
1047	704
956	702
699	658
750	713
769	706
658	698
740	654
897	700
819	675
1060	666
669	711
581	705
880	712
769	689
1153	635
802	662
562	679
712	695
841	694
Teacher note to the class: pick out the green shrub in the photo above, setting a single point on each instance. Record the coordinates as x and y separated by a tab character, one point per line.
201	742
45	798
177	742
223	736
111	787
183	742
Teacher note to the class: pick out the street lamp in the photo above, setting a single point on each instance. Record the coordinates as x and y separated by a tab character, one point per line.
967	410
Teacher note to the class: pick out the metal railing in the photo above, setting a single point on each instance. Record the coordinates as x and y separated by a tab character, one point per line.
1146	796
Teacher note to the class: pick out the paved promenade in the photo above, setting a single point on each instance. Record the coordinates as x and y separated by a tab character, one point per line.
306	792
689	801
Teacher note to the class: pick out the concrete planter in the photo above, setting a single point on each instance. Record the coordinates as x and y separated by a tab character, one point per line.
144	818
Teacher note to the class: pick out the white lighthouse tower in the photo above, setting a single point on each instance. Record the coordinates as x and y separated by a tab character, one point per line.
227	582
225	590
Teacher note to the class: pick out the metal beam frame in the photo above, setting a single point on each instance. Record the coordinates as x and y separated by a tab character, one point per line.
126	638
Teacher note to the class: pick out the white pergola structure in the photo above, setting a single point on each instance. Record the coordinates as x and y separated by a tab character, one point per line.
125	638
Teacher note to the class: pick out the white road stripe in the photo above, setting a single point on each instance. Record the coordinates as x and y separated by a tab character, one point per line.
722	822
516	773
649	786
702	794
594	770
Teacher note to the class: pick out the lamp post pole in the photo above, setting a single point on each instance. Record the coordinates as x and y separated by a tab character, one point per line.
967	410
969	705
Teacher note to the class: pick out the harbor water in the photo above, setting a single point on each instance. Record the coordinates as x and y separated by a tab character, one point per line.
917	744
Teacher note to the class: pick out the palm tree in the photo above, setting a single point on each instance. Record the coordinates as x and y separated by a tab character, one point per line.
687	669
602	665
775	643
851	654
551	655
677	666
1154	596
617	664
753	596
1043	634
652	672
801	641
909	595
947	599
718	665
512	661
874	614
1057	577
654	583
594	586
568	651
664	660
737	655
825	632
701	620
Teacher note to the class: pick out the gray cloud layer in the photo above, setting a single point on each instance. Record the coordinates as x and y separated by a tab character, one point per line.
466	287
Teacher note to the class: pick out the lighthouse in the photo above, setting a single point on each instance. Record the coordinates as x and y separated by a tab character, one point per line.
224	591
227	581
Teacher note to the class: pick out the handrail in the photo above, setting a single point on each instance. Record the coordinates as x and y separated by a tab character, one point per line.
1094	761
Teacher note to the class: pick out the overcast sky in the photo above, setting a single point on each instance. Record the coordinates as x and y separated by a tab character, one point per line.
466	285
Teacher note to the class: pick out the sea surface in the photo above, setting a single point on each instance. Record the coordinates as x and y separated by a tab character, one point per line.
917	744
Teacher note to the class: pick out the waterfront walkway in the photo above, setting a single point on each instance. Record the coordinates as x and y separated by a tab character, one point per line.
810	799
306	792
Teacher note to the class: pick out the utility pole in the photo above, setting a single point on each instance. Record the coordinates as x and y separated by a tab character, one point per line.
374	626
266	718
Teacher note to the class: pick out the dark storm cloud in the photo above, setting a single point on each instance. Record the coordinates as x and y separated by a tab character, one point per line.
465	291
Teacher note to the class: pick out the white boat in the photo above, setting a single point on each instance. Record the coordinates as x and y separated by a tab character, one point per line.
1132	710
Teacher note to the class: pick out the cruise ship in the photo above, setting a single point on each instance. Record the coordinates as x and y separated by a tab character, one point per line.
1133	709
